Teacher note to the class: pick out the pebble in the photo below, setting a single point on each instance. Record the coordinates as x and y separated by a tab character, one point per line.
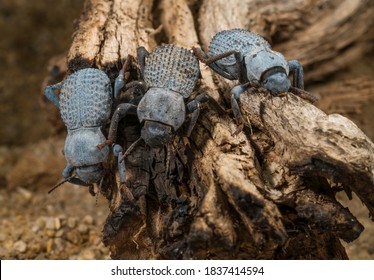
20	246
34	248
53	224
44	234
72	222
74	237
40	256
82	228
57	223
41	222
50	233
49	246
59	233
88	220
50	223
87	254
25	193
59	244
35	228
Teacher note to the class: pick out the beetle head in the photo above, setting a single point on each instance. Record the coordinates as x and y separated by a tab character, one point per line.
277	83
156	134
90	173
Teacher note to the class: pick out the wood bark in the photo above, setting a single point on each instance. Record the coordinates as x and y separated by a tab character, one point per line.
351	97
325	36
268	192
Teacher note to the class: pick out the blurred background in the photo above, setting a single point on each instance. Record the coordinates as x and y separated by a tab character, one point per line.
35	225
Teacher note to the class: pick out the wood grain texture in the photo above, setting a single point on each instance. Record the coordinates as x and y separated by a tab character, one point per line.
267	193
351	97
108	31
325	36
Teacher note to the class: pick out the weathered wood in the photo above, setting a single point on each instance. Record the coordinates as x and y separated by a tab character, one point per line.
351	97
108	31
268	192
324	36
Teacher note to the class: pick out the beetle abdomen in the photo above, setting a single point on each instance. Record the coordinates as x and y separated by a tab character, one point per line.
172	67
235	39
85	99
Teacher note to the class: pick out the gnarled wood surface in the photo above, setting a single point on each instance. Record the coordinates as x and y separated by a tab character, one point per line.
325	36
266	193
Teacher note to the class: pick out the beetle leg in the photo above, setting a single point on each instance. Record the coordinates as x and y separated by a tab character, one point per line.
129	149
240	69
210	61
68	171
120	80
118	153
194	107
121	111
235	99
135	86
49	93
142	53
297	72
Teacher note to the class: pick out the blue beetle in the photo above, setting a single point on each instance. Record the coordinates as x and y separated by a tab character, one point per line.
238	54
85	102
169	76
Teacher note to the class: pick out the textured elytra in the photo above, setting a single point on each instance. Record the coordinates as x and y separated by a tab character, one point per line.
172	67
235	39
85	99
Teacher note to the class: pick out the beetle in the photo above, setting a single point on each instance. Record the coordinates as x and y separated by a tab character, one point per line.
169	75
85	102
239	54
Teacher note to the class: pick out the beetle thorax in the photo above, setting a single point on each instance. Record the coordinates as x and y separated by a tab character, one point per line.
260	60
163	106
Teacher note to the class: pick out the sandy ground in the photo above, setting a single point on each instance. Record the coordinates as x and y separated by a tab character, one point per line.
66	224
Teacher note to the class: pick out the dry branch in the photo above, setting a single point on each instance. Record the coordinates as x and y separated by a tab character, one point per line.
268	192
108	31
351	98
324	36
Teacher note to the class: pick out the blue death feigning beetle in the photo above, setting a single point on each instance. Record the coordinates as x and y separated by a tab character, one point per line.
86	103
169	75
238	54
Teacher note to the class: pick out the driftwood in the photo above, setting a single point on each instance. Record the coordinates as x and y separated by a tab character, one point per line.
352	98
325	36
268	192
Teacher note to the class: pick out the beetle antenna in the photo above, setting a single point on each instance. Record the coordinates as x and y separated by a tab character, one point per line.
304	94
132	146
59	184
